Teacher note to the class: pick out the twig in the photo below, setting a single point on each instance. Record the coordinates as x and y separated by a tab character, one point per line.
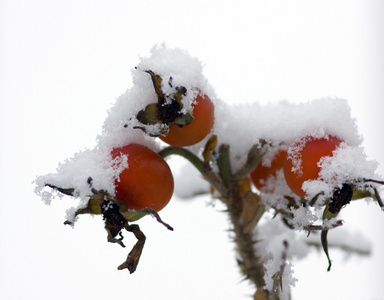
68	191
255	154
322	227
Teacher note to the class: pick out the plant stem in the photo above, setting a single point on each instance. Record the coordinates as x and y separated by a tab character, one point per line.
245	208
244	215
255	154
204	168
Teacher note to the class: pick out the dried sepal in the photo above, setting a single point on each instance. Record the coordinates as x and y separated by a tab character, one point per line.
168	108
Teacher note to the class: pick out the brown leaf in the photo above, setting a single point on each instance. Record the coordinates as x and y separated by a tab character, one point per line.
252	210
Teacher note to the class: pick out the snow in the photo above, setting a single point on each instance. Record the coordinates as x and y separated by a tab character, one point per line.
348	164
303	217
241	127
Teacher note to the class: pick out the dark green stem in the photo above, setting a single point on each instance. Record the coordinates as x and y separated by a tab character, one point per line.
224	164
204	169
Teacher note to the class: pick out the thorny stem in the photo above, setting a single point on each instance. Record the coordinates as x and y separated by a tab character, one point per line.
244	224
245	211
245	208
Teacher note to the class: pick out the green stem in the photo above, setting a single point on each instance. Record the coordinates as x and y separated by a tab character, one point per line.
327	215
204	169
244	209
224	164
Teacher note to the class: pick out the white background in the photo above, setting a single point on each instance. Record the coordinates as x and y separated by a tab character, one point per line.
62	65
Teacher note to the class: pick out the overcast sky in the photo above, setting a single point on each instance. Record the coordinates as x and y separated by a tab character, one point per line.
63	64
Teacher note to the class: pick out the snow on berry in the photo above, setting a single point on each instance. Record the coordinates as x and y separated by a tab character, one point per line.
239	126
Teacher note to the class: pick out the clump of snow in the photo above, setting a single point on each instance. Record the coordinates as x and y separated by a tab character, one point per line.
347	165
242	126
75	173
303	217
177	69
118	127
